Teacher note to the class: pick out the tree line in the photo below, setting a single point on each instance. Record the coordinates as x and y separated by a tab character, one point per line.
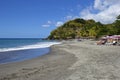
80	28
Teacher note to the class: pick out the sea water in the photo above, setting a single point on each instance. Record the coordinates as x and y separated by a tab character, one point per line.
19	49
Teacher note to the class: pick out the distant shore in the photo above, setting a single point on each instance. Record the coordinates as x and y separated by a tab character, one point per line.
71	60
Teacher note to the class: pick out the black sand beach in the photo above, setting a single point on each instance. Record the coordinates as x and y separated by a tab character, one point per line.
70	60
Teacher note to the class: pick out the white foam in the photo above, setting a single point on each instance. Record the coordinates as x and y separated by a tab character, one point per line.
34	46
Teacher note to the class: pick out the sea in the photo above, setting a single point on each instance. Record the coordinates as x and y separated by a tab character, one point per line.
20	49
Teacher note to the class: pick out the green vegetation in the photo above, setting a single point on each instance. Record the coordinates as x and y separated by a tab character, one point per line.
80	28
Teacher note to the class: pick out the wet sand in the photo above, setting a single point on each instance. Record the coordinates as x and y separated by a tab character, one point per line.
71	60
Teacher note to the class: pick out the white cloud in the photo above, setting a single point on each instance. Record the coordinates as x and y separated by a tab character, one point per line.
59	23
48	24
69	17
104	4
107	11
104	11
45	25
99	5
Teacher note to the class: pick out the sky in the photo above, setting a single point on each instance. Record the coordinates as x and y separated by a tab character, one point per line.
37	18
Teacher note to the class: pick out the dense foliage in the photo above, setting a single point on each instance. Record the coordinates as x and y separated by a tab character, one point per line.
78	28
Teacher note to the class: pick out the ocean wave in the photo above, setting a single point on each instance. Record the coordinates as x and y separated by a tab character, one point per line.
34	46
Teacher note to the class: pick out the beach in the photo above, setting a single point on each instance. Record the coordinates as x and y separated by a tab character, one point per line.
71	60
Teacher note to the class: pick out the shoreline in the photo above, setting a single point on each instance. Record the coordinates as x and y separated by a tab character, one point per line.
71	60
39	68
22	55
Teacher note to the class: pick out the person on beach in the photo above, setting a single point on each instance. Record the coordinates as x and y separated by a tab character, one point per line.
114	42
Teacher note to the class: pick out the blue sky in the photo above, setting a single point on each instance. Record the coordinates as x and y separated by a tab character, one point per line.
37	18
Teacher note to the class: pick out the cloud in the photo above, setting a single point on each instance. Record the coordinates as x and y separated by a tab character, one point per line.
59	23
106	11
68	17
48	24
104	4
98	4
45	25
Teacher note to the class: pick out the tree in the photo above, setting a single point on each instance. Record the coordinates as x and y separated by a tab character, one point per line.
85	28
118	17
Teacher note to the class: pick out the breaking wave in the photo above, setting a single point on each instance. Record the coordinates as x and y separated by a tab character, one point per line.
34	46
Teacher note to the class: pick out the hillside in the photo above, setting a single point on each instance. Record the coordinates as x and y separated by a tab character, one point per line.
84	28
